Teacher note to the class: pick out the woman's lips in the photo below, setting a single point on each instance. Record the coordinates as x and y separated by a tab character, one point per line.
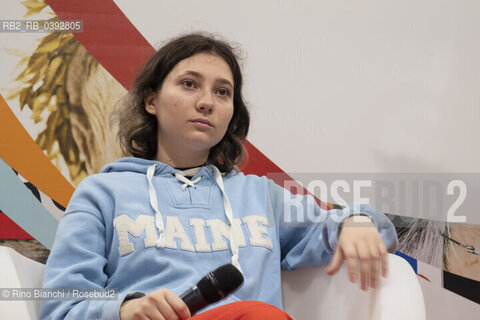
202	122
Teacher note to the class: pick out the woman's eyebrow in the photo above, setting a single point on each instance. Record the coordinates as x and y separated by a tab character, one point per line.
199	75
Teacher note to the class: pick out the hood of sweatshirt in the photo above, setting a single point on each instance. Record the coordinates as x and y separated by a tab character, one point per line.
138	165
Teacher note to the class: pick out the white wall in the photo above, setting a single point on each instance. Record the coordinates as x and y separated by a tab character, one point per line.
348	86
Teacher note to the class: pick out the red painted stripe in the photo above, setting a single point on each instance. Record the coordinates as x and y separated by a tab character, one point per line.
260	165
120	48
11	230
422	276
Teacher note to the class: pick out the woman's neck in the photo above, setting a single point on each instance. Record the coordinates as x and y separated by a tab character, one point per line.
181	159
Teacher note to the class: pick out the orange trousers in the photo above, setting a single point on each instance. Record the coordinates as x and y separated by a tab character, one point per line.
244	310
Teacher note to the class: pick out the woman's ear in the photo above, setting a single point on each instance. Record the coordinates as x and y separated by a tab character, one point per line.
150	103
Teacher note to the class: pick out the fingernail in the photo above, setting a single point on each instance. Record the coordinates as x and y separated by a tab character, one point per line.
364	286
353	277
373	283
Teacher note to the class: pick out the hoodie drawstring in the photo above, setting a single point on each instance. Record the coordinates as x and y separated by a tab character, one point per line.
154	204
187	182
229	214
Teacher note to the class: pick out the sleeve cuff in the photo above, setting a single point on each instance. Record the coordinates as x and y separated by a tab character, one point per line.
347	212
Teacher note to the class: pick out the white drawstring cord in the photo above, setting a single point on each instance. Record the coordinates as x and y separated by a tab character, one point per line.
229	214
186	181
154	204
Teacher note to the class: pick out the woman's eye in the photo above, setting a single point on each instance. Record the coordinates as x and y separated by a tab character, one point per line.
188	84
223	92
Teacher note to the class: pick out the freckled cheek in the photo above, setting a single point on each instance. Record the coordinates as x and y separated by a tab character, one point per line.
174	99
175	109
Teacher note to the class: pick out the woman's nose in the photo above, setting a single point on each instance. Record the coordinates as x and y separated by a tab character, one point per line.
205	103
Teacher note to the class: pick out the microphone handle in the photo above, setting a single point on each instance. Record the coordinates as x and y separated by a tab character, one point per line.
194	300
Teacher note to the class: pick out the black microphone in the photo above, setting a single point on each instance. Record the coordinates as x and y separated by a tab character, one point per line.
213	287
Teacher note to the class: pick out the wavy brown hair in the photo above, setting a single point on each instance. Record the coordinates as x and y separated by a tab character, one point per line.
138	129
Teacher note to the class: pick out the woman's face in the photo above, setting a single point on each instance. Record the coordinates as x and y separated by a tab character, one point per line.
194	105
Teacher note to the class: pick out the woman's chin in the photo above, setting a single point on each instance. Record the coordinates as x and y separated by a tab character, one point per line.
201	142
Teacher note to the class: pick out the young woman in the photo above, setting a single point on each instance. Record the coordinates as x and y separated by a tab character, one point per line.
153	224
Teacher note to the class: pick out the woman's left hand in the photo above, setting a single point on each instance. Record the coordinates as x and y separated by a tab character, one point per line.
363	249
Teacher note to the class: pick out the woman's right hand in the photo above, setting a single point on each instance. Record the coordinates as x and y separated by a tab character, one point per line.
159	305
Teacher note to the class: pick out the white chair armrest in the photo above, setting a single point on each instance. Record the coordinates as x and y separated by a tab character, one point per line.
17	272
309	293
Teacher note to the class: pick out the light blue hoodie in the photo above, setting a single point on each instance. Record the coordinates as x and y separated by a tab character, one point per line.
141	225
